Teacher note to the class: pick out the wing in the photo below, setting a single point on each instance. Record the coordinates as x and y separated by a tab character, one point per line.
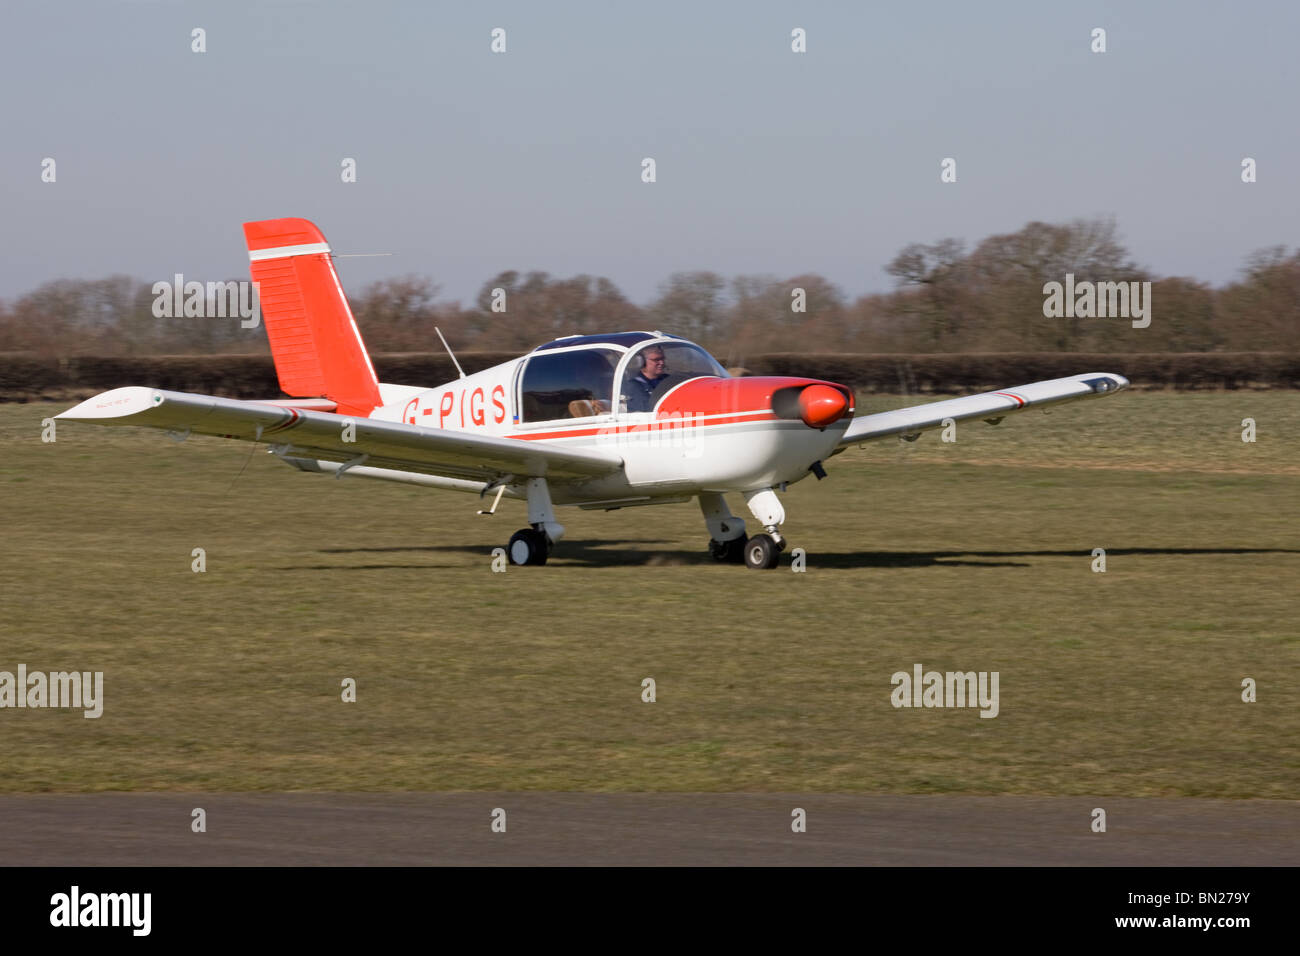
295	431
909	422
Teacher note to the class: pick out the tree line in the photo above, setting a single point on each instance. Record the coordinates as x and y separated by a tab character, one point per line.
947	298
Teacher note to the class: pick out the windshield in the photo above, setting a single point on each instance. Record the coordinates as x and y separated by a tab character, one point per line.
654	369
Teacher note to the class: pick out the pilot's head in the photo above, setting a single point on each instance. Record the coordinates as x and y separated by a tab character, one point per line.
653	363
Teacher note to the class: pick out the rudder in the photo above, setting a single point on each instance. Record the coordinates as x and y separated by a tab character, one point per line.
314	338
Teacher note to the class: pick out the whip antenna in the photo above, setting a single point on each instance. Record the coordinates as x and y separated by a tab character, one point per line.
449	352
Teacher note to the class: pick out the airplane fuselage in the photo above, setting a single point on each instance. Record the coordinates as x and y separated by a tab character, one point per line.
705	432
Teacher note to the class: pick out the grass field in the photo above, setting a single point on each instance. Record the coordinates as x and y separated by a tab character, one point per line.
965	556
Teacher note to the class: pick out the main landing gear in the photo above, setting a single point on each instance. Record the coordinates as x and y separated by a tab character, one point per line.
528	546
728	552
532	545
729	542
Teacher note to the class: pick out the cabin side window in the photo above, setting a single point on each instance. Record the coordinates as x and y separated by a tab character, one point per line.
575	384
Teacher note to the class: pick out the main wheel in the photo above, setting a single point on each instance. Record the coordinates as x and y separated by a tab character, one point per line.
761	552
528	546
728	552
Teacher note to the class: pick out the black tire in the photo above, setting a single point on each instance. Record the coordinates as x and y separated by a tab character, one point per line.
728	552
528	546
761	552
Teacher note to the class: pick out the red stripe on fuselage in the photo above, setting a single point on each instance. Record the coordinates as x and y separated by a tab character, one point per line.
658	424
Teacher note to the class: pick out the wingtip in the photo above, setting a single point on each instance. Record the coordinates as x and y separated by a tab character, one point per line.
117	403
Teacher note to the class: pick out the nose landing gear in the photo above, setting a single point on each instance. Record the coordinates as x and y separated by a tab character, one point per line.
762	551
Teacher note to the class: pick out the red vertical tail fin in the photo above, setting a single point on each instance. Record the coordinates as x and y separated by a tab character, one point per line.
314	338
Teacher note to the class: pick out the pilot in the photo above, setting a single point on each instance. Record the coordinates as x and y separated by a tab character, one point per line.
641	386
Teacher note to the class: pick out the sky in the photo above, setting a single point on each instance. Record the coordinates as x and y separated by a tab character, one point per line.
767	161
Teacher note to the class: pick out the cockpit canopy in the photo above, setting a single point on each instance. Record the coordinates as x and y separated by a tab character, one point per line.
576	377
571	384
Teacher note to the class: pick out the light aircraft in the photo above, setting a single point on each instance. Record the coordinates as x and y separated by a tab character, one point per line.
566	424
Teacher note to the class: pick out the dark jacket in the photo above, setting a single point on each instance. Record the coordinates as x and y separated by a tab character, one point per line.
639	389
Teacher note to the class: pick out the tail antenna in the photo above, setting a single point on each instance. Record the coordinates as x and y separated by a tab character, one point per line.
449	352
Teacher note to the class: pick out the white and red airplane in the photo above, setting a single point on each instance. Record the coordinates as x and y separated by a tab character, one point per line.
577	421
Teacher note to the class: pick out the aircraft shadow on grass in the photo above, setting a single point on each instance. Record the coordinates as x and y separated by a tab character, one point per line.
605	553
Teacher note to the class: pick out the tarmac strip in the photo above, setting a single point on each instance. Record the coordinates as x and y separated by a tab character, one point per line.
639	829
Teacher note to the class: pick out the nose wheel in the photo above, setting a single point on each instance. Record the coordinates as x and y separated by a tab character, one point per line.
528	546
763	551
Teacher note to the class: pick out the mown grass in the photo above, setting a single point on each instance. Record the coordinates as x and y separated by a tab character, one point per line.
965	556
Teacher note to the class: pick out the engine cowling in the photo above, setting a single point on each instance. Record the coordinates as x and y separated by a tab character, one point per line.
814	402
